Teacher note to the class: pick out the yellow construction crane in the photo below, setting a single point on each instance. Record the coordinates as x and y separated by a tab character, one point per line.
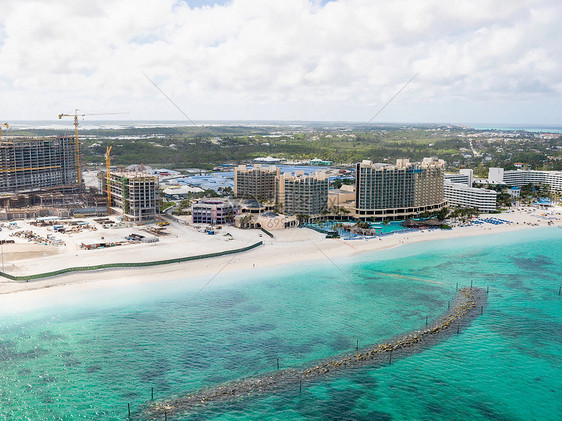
76	115
108	178
3	124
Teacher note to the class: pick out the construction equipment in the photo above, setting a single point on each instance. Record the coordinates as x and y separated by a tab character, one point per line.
3	124
108	178
76	115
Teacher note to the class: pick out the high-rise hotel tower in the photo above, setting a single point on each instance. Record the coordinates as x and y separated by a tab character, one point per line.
395	192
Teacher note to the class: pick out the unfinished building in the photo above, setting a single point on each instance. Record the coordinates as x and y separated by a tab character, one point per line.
28	165
135	194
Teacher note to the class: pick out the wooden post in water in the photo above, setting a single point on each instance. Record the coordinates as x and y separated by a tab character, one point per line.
300	385
471	284
277	363
488	289
448	305
481	309
165	415
390	357
151	393
457	286
425	321
129	409
559	290
357	346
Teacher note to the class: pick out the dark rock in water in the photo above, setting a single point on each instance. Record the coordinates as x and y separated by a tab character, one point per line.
131	395
48	399
340	343
158	369
378	416
48	379
72	362
366	380
255	328
93	369
538	262
342	404
50	336
252	309
466	307
8	352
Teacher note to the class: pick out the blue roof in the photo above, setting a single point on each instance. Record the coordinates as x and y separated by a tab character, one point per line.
515	188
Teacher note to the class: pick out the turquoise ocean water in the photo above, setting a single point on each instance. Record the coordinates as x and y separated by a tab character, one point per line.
88	357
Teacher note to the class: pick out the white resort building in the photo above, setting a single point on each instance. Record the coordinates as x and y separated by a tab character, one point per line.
465	176
461	195
520	178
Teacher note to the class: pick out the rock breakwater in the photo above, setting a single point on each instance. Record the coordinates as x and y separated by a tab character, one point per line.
467	305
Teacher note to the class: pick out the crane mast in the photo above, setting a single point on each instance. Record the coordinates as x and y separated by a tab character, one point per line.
5	125
108	178
75	116
77	142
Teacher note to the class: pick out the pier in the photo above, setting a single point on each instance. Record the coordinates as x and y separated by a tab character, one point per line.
467	305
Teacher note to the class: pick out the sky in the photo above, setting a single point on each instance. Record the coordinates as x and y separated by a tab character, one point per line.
477	61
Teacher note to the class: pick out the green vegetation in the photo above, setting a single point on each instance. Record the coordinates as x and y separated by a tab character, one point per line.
464	214
166	205
206	147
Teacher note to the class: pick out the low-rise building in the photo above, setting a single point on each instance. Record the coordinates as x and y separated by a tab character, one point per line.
514	192
215	211
461	195
270	221
465	176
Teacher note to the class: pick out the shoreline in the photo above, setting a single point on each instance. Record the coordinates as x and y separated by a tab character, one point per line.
288	247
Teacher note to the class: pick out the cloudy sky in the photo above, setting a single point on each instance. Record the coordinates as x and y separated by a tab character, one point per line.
488	61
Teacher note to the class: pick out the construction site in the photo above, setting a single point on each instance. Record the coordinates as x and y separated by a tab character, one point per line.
42	176
39	177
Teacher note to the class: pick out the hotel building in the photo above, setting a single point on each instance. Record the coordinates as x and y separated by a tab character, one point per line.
520	178
461	195
465	176
400	191
302	194
256	182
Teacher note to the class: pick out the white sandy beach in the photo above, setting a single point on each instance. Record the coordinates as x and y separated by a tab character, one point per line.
288	246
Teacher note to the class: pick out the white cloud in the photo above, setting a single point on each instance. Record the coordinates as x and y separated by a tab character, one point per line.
289	59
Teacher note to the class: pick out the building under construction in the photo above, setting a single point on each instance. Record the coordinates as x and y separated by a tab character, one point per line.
136	194
38	177
33	164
